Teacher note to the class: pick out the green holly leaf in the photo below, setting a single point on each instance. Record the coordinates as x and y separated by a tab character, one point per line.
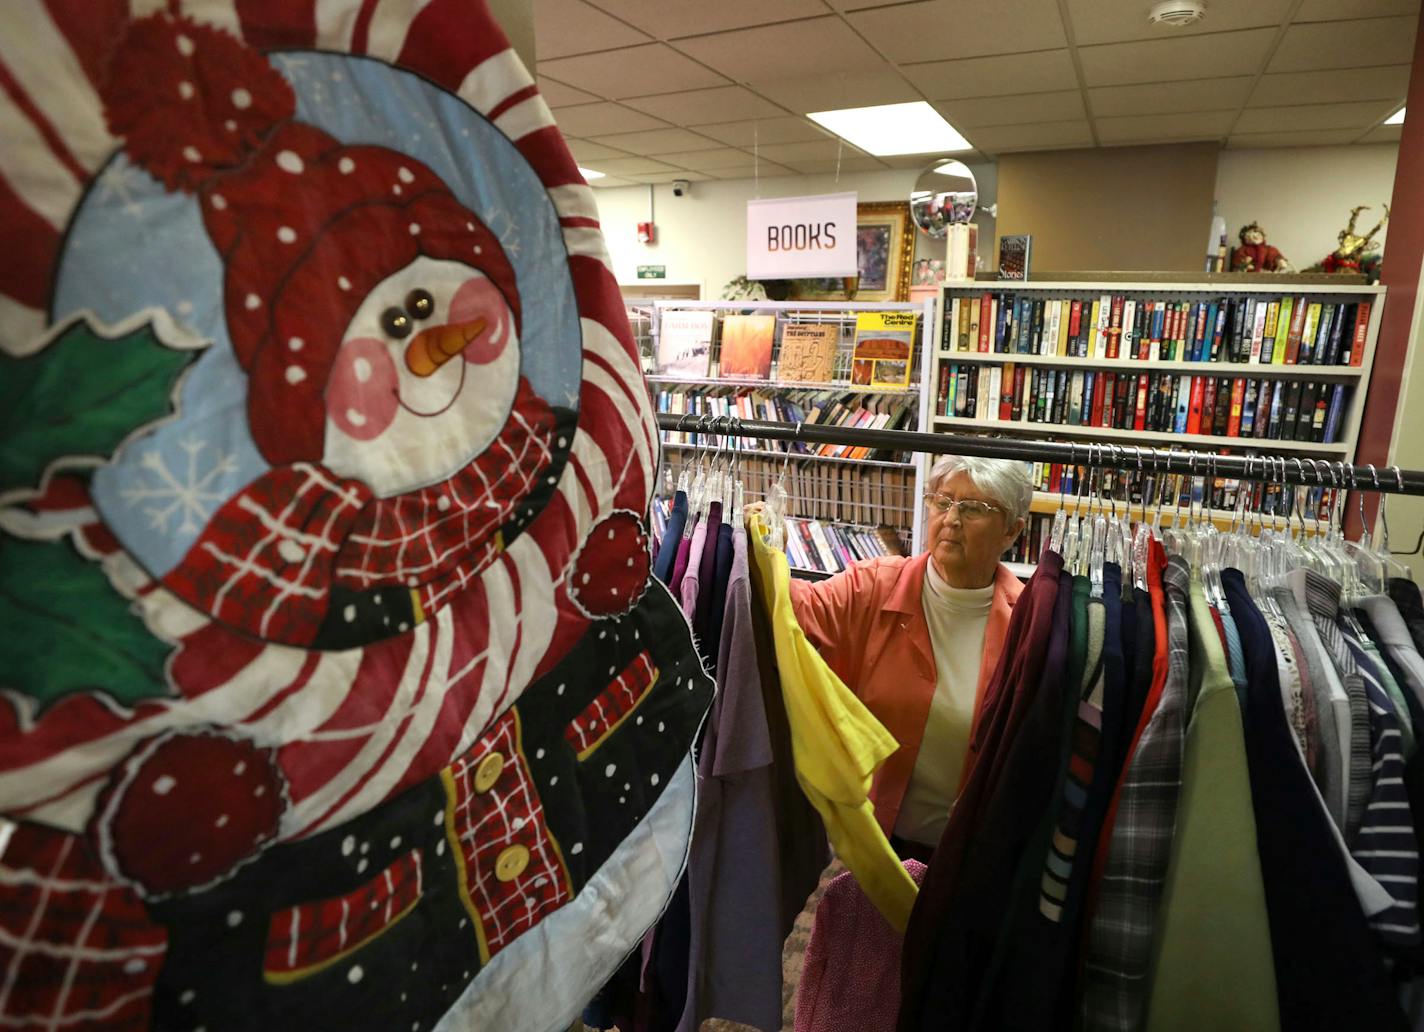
67	629
80	396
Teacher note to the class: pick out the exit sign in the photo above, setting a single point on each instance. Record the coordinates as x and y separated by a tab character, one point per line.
652	272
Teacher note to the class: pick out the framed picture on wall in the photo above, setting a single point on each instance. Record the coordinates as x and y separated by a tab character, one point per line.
884	246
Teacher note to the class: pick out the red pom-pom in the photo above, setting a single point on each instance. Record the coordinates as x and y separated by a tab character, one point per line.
185	810
610	572
190	100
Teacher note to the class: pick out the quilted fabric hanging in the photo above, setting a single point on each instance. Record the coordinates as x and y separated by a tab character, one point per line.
336	690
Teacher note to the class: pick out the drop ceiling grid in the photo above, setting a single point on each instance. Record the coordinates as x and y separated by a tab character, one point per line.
666	80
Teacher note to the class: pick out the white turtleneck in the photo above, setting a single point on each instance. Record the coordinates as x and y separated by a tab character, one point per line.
957	618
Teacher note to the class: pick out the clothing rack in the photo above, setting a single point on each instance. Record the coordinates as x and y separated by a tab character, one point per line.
1093	454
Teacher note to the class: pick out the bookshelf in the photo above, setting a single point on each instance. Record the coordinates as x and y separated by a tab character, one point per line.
849	500
1184	364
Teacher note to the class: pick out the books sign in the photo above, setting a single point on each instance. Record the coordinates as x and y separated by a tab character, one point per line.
800	237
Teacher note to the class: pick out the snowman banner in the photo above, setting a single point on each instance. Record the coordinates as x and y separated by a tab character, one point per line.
336	692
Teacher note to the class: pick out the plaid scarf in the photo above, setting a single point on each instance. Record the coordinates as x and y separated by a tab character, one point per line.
269	557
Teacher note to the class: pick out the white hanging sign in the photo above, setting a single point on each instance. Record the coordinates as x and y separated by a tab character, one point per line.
799	237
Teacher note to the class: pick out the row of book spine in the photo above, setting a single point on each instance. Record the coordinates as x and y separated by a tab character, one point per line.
840	492
821	408
1284	330
1267	408
826	547
1174	490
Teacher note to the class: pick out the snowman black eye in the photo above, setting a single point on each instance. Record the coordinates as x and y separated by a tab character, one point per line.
420	304
395	322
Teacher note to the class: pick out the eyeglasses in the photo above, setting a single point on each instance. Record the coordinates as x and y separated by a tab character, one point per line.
970	509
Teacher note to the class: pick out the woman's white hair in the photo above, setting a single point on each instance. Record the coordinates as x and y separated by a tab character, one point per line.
1005	481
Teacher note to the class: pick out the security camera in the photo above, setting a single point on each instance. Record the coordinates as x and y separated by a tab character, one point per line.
681	187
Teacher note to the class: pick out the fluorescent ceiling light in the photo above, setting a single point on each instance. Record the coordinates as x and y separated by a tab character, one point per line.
589	173
885	129
1395	119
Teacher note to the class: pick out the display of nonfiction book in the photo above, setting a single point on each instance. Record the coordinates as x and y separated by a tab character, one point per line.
1289	329
1015	253
808	352
821	408
747	342
1269	408
884	349
684	346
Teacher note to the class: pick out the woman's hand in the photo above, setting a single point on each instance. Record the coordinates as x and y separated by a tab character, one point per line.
754	509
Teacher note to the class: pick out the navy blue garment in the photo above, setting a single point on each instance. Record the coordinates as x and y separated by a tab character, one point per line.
721	573
1329	972
1144	652
672	534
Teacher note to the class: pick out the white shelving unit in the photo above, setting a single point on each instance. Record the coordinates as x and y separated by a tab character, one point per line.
899	508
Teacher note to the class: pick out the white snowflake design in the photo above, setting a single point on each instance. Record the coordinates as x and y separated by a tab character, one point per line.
191	493
120	179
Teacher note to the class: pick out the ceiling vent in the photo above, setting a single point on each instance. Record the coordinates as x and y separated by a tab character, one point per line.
1177	13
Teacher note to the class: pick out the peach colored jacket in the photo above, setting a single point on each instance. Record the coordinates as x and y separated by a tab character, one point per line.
869	625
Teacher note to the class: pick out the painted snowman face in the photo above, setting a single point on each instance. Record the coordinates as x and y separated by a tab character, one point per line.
424	380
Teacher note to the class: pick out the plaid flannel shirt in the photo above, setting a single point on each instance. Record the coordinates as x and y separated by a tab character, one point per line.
1119	946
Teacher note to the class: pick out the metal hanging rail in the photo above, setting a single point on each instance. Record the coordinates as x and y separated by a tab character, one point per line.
1272	468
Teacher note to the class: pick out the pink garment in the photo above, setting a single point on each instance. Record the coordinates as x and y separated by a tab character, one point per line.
850	981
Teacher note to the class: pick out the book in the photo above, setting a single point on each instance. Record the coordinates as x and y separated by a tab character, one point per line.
1208	405
746	346
1268	341
884	349
1334	414
1221	419
1266	402
1337	334
1194	409
1362	330
1283	324
1238	399
1297	327
808	352
1308	334
1305	412
1248	408
1015	255
684	346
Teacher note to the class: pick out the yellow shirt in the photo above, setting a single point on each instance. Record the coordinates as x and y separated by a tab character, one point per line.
836	744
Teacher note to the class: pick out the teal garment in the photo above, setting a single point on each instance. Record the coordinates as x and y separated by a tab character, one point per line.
1212	963
1235	658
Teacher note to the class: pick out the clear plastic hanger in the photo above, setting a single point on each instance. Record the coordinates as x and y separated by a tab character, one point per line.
1142	539
1060	518
1393	566
1097	550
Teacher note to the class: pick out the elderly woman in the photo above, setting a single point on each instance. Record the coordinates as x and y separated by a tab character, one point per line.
917	638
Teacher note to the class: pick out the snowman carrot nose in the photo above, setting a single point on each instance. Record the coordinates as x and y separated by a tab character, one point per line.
432	348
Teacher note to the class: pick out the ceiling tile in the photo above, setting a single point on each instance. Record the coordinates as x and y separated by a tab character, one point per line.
1383	134
668	177
656	141
840	90
587	150
699	107
1112	21
557	95
920	161
1242	141
764	130
669	19
794	48
856	5
1359	116
1164	128
1184	57
702	160
564	27
1063	106
858	163
745	169
1338	10
1386	83
767	171
601	119
1035	136
607	181
632	72
942	29
994	76
633	166
1366	43
1157	98
815	150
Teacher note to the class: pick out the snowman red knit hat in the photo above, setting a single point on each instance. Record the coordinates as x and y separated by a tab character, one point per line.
305	226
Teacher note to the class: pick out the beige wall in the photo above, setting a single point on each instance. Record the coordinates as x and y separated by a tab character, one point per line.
1119	208
516	17
1302	196
1406	514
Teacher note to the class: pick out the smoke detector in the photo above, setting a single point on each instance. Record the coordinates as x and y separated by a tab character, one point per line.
1177	13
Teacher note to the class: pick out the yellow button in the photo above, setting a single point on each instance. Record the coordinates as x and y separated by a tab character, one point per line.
488	772
511	863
